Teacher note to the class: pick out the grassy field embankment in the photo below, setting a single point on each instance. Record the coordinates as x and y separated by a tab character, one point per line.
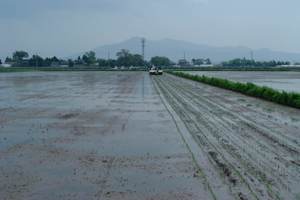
285	98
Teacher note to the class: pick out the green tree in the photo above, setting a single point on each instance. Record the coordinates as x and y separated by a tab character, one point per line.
198	61
19	55
136	60
156	60
114	63
248	62
91	57
102	62
8	59
225	63
123	57
193	61
164	61
85	58
258	63
208	62
54	59
47	61
272	63
36	61
71	62
235	62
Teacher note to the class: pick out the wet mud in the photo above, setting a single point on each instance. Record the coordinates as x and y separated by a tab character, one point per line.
253	151
128	135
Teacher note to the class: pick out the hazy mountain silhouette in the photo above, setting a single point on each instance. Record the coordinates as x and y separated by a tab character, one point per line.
175	50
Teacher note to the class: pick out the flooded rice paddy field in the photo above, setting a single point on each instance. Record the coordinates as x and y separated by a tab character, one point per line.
128	135
278	80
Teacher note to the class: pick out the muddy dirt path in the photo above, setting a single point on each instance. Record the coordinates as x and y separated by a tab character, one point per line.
255	153
128	135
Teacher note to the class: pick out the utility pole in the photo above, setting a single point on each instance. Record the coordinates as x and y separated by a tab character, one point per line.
252	58
36	63
143	40
108	61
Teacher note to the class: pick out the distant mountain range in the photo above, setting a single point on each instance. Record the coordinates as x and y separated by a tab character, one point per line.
178	49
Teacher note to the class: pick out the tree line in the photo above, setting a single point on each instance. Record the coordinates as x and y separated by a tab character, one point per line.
245	62
89	58
124	58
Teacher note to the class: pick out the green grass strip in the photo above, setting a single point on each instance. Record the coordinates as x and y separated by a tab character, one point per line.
291	99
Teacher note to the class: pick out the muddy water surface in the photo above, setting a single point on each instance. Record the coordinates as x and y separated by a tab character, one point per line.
128	135
90	135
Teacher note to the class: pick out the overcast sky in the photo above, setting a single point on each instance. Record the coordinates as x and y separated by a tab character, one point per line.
66	27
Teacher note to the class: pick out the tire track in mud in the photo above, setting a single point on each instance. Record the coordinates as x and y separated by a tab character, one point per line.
270	180
248	124
221	110
220	167
262	130
227	134
179	130
98	195
270	141
233	177
285	183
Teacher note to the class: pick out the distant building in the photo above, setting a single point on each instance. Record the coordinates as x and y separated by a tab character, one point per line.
79	64
54	64
24	61
12	64
5	65
172	64
183	62
64	64
94	65
288	66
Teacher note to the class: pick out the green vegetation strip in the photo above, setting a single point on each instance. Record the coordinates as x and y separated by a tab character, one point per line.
291	99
